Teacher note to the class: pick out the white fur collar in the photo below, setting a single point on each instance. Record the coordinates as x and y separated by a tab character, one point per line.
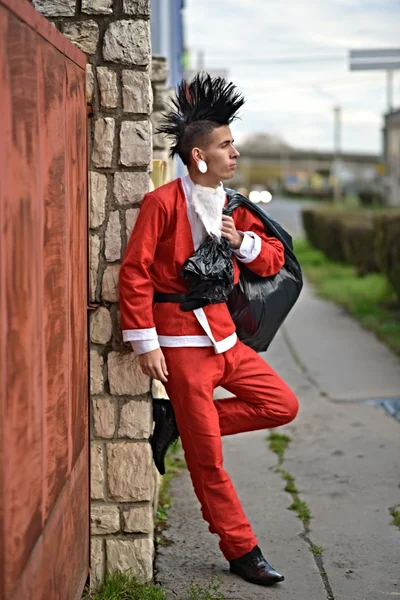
208	204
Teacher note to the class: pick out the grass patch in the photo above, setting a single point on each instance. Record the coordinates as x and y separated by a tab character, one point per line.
370	299
123	586
316	549
174	464
301	507
395	513
278	442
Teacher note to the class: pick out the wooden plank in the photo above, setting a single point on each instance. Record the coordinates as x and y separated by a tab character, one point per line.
51	79
23	303
76	123
31	17
5	137
58	566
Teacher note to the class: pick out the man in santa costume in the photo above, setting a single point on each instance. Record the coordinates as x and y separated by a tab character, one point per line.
193	352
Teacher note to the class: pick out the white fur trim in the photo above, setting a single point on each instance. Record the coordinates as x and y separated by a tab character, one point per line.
179	341
250	247
208	204
133	335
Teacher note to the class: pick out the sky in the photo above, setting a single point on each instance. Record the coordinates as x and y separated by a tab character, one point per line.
290	59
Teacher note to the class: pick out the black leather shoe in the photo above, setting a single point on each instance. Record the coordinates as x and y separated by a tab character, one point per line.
165	431
254	568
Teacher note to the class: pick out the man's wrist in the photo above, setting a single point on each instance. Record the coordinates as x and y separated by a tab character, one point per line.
236	245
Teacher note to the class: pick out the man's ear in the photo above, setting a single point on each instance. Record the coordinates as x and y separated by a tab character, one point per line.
197	155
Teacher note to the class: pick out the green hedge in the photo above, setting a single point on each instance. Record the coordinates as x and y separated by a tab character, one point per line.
367	239
387	246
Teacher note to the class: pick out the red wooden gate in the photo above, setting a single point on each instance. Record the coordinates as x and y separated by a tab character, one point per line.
44	489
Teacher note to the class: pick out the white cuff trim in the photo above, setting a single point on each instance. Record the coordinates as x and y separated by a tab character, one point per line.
250	247
133	335
143	346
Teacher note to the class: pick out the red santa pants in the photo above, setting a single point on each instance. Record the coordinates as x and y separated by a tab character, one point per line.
262	401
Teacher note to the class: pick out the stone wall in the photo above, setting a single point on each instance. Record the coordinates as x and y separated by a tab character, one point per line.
115	35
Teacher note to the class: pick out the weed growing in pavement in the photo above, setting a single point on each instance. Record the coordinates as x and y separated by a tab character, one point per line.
395	512
301	507
278	442
210	592
316	549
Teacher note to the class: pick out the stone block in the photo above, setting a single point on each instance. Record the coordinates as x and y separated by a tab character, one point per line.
94	257
84	34
96	373
131	216
131	555
107	80
89	84
136	7
104	518
135	420
130	188
96	472
139	519
160	140
129	471
109	288
97	563
127	42
103	417
113	237
97	7
97	194
137	95
161	97
100	326
55	8
135	144
103	142
125	375
159	69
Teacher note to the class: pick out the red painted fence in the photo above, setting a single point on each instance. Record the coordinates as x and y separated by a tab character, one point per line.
44	489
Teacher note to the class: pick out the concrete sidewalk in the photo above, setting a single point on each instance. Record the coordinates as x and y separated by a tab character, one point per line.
344	456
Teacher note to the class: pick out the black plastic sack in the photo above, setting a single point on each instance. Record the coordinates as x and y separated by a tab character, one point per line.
259	305
209	272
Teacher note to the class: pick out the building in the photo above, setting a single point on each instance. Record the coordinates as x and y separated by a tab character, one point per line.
392	156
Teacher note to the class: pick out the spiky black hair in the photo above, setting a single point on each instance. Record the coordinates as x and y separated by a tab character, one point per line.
199	107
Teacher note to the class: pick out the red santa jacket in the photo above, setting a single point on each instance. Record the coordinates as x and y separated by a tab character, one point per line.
160	243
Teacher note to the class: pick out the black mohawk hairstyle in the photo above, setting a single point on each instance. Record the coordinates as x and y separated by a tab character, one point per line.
206	98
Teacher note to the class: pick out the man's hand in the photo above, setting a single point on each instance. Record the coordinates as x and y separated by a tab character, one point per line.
229	231
153	364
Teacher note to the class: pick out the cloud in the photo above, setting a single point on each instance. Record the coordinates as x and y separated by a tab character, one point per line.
290	60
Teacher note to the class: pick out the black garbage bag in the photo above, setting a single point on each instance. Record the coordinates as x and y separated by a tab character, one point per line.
208	274
259	305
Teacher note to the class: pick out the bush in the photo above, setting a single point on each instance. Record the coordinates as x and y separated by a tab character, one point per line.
358	239
325	229
387	245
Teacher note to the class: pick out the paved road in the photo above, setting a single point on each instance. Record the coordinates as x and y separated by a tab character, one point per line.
344	457
288	213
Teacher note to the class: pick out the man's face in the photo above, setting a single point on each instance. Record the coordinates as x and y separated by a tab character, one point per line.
220	153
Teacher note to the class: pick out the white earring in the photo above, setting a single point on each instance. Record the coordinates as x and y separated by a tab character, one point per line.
202	166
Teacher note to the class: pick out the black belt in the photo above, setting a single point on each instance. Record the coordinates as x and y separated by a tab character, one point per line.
187	304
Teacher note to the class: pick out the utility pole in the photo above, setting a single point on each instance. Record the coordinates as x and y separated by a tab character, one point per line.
337	191
389	90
